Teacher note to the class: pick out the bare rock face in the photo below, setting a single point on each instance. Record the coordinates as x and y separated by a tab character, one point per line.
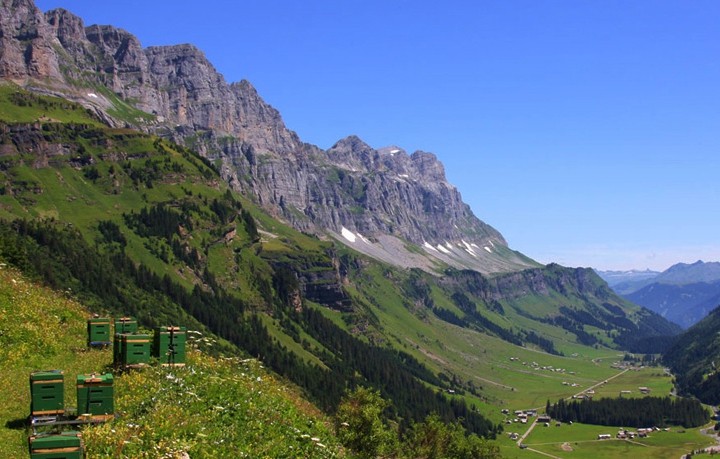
195	94
25	43
408	196
350	187
259	124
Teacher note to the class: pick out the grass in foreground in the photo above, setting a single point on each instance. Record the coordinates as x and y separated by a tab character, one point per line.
210	408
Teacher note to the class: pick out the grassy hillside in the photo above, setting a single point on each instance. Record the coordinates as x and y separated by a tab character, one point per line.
131	223
134	224
214	407
695	356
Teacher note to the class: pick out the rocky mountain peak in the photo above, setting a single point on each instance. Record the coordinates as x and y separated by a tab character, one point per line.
428	166
353	154
383	194
67	27
260	124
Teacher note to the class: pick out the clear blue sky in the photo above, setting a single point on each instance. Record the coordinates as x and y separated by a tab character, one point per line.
587	132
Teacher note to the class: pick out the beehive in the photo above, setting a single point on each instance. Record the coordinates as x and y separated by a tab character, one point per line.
95	395
47	393
134	349
98	331
65	445
126	325
169	345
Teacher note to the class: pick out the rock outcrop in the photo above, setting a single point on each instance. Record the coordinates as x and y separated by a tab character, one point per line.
26	43
381	196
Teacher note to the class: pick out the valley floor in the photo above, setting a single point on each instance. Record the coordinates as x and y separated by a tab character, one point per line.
572	441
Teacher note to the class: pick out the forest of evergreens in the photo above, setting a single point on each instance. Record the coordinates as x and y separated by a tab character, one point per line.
631	412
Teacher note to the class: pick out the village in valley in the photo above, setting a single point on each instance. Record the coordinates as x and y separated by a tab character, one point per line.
532	430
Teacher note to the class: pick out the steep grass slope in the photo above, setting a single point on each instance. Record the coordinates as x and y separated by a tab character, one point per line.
136	224
695	356
214	407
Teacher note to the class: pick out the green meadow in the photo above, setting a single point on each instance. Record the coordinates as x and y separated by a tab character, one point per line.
581	441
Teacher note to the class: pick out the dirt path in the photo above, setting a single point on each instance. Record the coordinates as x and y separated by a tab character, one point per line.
600	383
592	387
495	383
710	432
527	432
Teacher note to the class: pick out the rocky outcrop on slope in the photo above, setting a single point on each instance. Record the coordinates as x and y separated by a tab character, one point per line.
381	196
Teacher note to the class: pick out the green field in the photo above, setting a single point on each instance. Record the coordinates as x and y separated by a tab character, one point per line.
654	378
581	441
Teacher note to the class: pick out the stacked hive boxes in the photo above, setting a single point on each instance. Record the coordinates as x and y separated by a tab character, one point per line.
47	393
131	350
65	445
95	395
98	331
126	325
169	345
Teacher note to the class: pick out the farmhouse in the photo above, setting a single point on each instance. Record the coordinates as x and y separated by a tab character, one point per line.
604	436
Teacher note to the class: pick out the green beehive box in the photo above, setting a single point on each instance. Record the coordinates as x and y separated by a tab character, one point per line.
65	445
95	395
135	349
98	331
169	345
126	325
47	393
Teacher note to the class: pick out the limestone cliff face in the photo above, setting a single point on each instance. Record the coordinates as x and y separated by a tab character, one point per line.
26	45
351	188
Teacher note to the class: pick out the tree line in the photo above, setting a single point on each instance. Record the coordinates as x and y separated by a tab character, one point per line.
631	412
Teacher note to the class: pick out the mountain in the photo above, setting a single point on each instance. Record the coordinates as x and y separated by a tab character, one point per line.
627	281
135	224
397	207
684	293
694	358
689	273
140	182
683	304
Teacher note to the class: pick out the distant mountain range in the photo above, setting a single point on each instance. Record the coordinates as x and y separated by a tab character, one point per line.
684	293
628	281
